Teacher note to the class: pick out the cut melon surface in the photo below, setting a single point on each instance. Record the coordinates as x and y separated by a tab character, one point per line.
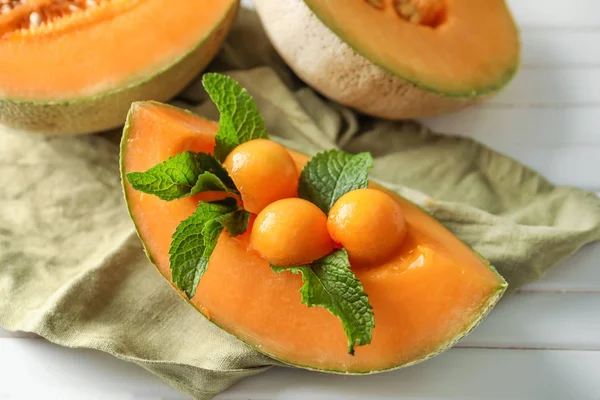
368	55
75	66
432	293
473	51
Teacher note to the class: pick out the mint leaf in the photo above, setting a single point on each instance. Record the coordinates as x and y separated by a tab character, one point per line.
209	182
193	242
330	283
239	120
214	176
183	175
169	180
210	235
331	174
236	222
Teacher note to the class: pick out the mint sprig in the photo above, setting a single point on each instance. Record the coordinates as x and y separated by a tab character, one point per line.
196	237
327	282
330	283
183	175
191	173
239	120
331	174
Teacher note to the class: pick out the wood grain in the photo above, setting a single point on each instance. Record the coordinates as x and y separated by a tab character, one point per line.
459	374
555	14
541	321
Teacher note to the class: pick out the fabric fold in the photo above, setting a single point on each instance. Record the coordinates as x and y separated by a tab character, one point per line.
73	271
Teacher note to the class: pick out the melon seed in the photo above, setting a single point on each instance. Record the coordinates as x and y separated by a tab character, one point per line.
35	19
5	9
404	8
422	12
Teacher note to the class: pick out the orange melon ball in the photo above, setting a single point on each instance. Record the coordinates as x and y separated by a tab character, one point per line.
291	232
369	224
263	171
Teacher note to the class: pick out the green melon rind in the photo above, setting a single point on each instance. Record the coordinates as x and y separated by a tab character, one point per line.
458	94
108	110
484	309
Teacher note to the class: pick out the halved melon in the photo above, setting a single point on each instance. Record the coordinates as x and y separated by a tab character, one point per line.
75	66
396	58
430	295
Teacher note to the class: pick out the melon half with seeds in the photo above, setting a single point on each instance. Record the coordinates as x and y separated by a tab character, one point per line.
396	58
75	66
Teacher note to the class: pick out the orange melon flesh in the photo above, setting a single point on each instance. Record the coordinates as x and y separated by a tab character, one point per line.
474	49
433	291
98	49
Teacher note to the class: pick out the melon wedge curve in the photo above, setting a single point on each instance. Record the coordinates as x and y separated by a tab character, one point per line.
425	299
77	66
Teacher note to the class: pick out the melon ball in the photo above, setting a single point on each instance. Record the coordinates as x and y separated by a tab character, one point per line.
369	224
291	232
264	172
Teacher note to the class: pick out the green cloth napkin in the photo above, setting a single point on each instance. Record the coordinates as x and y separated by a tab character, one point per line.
72	268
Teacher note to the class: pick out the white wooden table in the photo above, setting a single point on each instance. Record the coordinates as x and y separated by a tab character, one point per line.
543	343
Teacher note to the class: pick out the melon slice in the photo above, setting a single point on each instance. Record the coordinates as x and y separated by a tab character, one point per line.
432	293
75	66
396	58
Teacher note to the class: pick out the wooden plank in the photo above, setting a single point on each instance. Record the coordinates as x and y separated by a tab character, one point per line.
556	13
551	88
579	273
522	126
550	48
568	321
33	369
457	374
568	165
60	373
7	334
